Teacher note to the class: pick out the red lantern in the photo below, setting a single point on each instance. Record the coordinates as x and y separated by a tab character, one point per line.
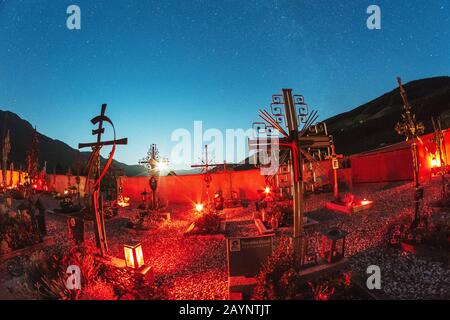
134	257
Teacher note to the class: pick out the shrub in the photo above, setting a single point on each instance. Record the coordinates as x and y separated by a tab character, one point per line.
207	223
280	279
46	278
16	232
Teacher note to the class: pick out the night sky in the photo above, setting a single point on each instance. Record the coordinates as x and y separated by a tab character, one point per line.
160	65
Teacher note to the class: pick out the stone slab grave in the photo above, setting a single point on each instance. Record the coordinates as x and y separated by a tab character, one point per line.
246	256
354	208
46	242
262	229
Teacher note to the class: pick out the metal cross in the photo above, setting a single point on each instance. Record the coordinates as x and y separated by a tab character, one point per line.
441	151
100	231
298	141
206	165
412	129
151	162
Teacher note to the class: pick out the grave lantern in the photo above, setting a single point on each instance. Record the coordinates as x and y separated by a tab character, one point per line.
333	244
134	258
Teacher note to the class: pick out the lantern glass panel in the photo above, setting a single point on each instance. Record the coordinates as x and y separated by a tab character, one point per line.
129	259
139	256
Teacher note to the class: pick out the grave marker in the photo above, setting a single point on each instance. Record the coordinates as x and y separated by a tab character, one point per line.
94	166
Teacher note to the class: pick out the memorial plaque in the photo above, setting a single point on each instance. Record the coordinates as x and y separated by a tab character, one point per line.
247	255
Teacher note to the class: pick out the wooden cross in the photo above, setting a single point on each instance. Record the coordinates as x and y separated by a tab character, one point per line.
298	141
100	231
412	129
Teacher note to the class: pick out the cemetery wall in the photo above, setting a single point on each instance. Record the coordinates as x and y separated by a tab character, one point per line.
59	183
55	182
394	163
15	177
191	188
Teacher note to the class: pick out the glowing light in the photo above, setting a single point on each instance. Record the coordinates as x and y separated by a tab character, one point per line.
66	191
161	165
123	201
267	190
365	202
199	207
134	258
435	162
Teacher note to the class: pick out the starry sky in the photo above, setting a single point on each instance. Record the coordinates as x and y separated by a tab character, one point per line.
160	65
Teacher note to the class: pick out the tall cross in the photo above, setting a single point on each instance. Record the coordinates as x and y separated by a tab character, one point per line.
205	166
298	141
151	162
441	151
412	129
100	231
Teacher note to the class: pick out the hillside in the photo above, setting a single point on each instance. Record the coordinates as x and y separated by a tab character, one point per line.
371	125
58	155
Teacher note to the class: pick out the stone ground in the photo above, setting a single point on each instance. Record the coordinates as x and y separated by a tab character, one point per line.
196	267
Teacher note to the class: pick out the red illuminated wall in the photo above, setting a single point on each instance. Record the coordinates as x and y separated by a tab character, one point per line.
186	188
57	183
394	163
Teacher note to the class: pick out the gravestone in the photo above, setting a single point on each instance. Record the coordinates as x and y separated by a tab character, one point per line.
247	255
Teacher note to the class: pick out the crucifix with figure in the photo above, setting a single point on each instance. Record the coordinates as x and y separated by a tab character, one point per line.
95	172
299	142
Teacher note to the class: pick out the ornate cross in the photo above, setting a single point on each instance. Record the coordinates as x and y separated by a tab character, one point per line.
205	166
412	129
94	160
151	162
299	141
